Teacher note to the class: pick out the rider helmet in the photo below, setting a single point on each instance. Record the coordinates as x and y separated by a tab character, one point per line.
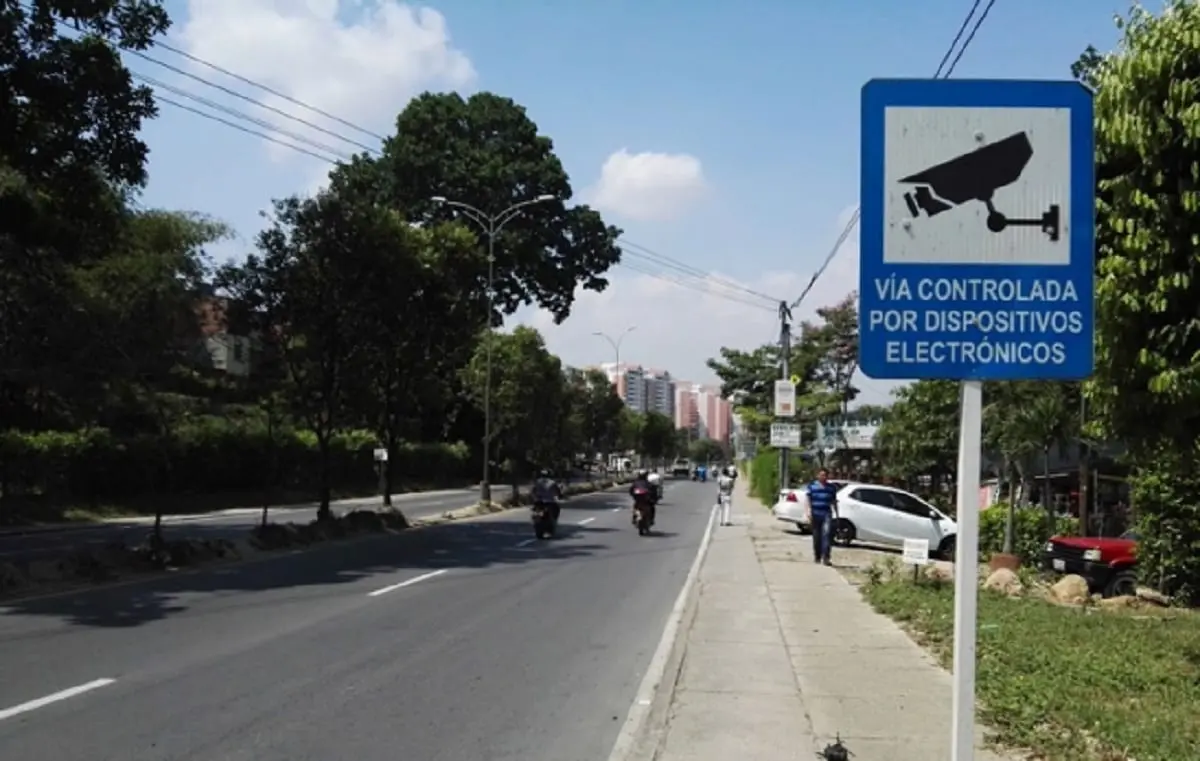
543	473
643	474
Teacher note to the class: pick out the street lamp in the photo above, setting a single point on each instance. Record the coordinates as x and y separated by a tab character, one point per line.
616	343
492	225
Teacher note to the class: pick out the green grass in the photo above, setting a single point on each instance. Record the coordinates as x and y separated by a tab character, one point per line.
1074	684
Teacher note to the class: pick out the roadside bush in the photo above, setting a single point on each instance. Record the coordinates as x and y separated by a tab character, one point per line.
208	455
764	474
1029	531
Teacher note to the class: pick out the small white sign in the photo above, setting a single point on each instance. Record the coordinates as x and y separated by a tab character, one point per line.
381	455
916	551
785	398
785	435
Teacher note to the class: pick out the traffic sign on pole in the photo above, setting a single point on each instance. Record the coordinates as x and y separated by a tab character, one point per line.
785	435
977	230
785	398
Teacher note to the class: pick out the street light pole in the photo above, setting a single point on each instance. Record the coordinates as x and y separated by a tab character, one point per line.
616	343
492	225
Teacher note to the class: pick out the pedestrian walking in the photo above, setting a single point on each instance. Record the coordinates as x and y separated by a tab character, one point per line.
822	506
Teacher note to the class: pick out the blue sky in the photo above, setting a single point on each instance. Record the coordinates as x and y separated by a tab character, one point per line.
748	114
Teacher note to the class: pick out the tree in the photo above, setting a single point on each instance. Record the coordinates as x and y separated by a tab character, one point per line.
1004	435
706	450
597	409
657	439
527	396
485	151
142	326
416	328
831	349
920	435
69	158
314	262
1146	390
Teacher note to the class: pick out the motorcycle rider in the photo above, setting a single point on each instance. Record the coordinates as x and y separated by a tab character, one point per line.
725	493
548	491
641	482
656	484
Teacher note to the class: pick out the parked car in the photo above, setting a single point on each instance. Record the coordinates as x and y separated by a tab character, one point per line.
878	515
681	468
1108	564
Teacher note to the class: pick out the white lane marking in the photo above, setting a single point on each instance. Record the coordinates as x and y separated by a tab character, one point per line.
616	510
526	543
586	521
70	692
403	584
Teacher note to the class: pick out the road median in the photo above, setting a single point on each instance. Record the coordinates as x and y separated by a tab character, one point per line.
91	565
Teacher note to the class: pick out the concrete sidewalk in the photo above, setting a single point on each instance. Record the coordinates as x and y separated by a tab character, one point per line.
783	655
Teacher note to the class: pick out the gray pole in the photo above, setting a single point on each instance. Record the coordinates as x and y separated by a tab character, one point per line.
785	349
485	488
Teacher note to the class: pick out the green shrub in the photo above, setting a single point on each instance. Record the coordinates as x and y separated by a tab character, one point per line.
764	474
1030	532
208	455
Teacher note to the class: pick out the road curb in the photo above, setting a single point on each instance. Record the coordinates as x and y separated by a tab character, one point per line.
645	726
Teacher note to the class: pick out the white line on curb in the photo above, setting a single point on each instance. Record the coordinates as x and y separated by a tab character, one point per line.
403	584
586	521
70	692
640	711
526	543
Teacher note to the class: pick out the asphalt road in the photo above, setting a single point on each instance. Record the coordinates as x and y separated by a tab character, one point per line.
468	640
227	524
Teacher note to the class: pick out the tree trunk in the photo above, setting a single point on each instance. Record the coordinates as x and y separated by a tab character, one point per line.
324	487
272	465
385	467
1047	503
1010	517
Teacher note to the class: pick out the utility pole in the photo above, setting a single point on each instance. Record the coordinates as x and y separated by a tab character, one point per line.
785	371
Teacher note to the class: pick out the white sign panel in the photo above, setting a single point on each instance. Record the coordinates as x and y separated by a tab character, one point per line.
785	398
381	455
916	551
929	148
785	435
842	434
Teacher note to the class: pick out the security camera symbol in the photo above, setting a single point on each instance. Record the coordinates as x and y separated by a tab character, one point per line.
976	176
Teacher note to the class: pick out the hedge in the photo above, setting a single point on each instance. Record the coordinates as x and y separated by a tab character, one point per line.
1029	532
764	474
95	464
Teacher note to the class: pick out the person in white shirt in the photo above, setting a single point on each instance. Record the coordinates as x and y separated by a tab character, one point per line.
725	493
655	480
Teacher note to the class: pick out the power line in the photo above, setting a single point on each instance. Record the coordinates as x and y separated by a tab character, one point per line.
853	222
978	23
954	43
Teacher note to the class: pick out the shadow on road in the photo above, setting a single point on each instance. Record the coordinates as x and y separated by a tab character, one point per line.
467	545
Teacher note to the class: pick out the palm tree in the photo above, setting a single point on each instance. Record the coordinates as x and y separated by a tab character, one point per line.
1042	420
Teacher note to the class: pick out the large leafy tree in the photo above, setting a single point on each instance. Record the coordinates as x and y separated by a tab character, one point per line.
69	157
657	436
485	151
415	328
315	262
1146	392
597	409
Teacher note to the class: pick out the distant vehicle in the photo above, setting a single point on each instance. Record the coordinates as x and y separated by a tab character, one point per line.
876	514
681	468
1108	564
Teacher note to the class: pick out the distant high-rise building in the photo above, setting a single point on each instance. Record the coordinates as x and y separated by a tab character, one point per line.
643	390
700	410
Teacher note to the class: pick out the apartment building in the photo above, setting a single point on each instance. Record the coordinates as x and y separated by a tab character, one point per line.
222	350
701	410
642	389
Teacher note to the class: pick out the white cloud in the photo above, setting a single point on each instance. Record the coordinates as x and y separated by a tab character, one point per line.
679	328
363	70
648	186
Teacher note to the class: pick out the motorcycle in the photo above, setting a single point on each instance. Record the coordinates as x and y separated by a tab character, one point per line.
643	511
545	524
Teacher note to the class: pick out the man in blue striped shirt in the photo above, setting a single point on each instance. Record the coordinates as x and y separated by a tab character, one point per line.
822	505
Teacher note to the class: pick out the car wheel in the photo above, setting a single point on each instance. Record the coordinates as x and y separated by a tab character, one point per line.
843	532
947	548
1122	584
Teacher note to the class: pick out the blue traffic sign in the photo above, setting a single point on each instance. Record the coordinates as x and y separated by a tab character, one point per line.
977	230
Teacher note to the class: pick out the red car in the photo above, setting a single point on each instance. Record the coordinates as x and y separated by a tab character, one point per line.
1109	564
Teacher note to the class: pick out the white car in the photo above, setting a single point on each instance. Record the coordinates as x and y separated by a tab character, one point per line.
877	515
